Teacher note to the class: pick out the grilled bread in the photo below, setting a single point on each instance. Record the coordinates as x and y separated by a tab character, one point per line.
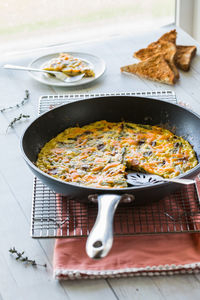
166	43
167	49
182	58
155	68
169	36
184	55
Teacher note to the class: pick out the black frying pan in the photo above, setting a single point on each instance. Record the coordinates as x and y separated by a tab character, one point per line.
180	120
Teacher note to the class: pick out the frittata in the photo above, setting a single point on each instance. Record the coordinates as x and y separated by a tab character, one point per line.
69	65
99	154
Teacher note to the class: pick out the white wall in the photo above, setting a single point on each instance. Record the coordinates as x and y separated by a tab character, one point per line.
196	21
188	17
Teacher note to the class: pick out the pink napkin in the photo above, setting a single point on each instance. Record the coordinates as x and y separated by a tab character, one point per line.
157	254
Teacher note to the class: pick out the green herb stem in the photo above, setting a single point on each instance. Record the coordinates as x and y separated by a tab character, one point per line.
24	101
12	123
20	257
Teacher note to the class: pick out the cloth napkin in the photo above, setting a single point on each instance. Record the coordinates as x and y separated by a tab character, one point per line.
139	255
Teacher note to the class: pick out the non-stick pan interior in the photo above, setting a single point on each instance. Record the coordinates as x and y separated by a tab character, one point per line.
117	108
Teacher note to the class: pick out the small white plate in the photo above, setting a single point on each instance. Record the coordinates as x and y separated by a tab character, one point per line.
97	64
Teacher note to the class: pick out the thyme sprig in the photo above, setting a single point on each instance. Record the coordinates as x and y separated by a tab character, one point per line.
20	257
26	98
12	123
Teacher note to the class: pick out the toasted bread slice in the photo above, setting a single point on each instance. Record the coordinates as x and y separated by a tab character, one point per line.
167	49
169	36
184	55
157	47
154	68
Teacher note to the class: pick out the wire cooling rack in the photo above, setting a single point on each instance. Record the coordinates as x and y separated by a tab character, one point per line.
50	101
56	216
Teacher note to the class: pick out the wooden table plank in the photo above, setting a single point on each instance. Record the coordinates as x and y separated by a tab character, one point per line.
89	289
186	285
136	288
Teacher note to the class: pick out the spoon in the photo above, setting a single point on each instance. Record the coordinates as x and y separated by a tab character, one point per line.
59	75
145	179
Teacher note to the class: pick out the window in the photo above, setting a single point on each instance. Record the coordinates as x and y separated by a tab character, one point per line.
26	24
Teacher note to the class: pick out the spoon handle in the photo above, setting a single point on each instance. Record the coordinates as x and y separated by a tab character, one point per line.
22	68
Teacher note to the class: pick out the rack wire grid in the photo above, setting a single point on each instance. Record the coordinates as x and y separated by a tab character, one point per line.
50	101
55	216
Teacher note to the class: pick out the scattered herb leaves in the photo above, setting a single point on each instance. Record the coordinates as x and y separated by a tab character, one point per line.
24	101
12	123
20	257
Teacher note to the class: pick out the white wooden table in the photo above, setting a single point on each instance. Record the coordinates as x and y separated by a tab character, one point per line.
20	282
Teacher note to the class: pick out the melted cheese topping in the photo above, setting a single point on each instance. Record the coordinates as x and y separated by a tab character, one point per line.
99	154
69	65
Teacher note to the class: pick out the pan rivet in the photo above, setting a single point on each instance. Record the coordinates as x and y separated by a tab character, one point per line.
127	198
93	198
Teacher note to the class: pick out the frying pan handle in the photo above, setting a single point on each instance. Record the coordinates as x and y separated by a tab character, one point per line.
100	239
